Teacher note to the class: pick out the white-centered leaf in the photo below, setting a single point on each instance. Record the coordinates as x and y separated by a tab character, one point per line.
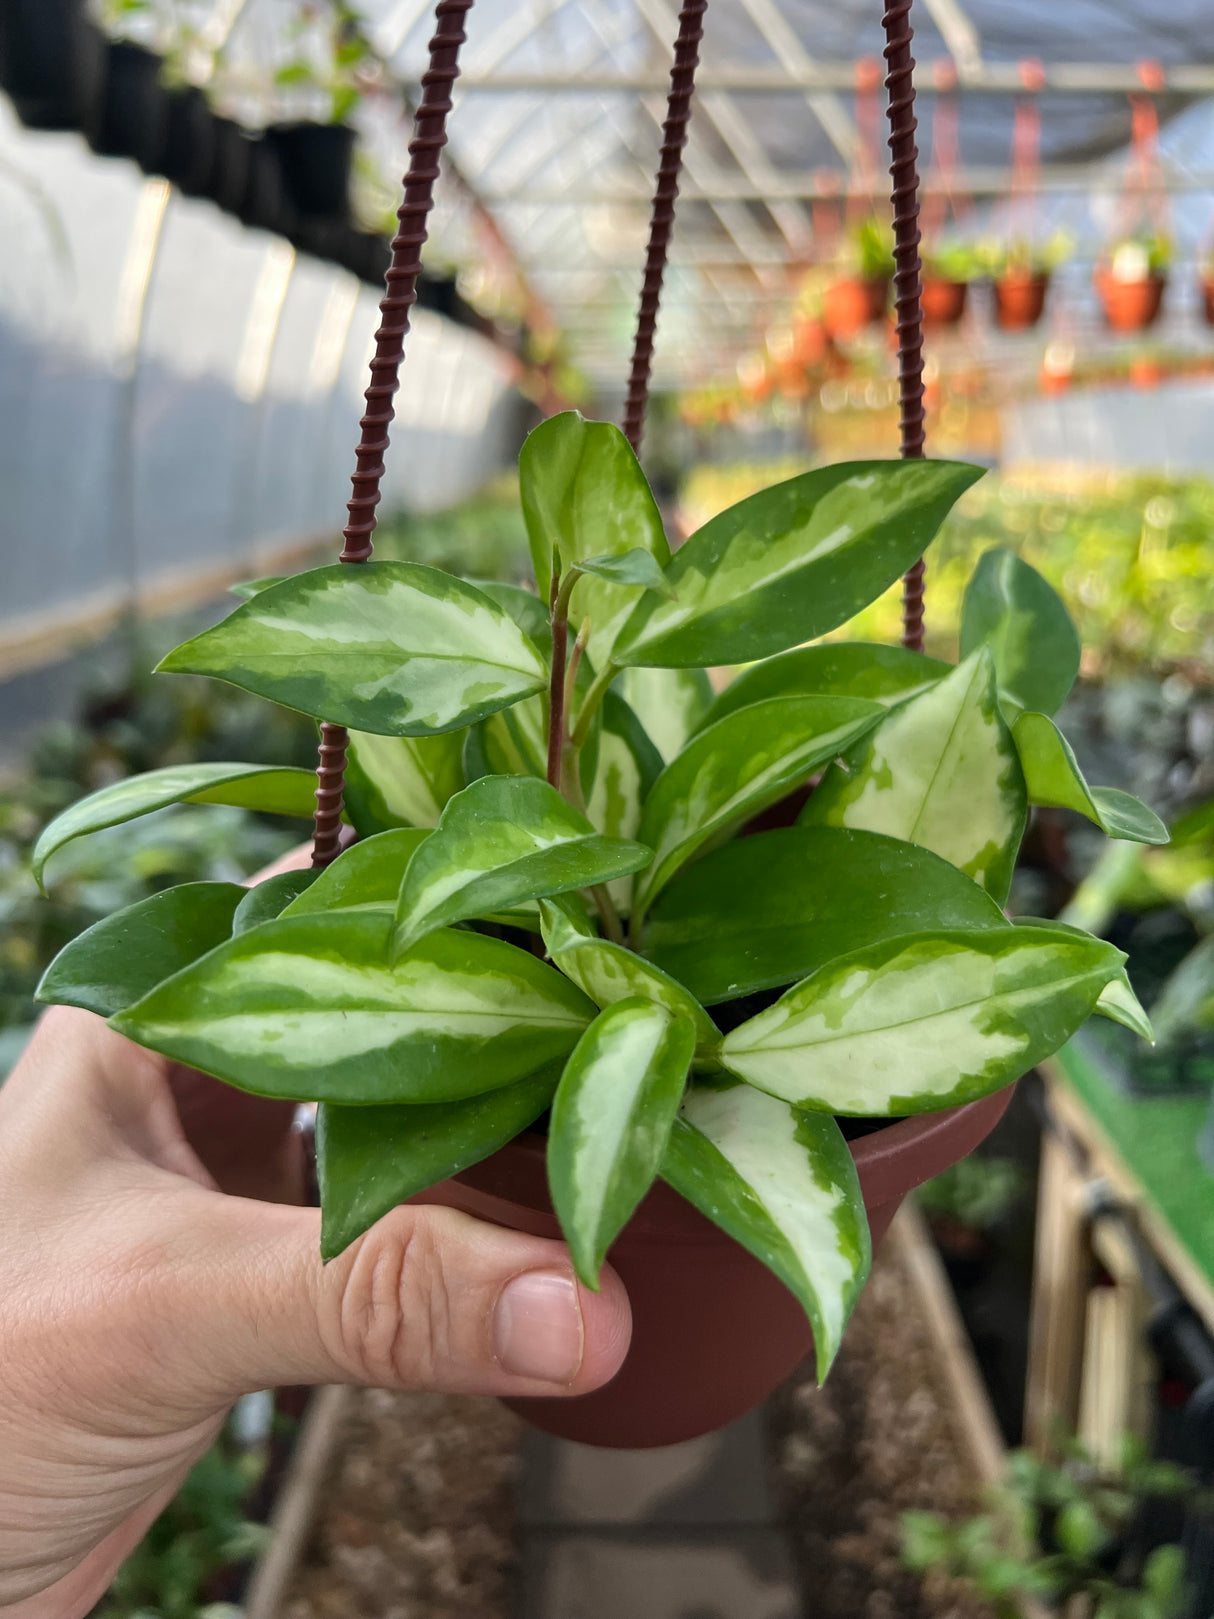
276	791
502	842
1053	776
1012	610
919	1023
1117	1002
670	704
941	771
783	1184
620	765
738	767
393	648
312	1007
609	973
366	876
611	1120
396	781
881	674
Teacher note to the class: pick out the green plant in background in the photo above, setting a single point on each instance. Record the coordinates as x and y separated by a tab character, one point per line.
482	538
975	1193
1143	254
953	261
868	249
1001	256
1063	1533
330	61
506	792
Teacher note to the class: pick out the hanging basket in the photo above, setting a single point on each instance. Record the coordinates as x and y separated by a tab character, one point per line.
1130	305
1020	299
852	303
944	302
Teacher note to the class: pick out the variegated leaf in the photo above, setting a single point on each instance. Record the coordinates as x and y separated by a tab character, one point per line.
919	1023
502	842
792	562
515	742
783	1184
394	781
635	567
393	648
366	876
312	1007
881	674
609	973
738	767
670	704
369	1159
797	897
620	766
1053	776
1117	1002
940	771
254	587
1012	610
119	959
611	1120
276	791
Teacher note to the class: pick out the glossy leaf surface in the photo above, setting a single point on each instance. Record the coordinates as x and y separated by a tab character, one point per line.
1012	610
782	1183
270	898
765	910
388	647
635	567
396	781
247	588
792	562
366	876
620	766
311	1007
369	1159
611	1120
1117	1001
881	674
276	791
670	704
609	973
515	742
941	771
119	959
924	1022
502	842
738	767
1053	776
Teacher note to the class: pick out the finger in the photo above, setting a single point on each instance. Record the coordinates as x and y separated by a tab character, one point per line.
428	1298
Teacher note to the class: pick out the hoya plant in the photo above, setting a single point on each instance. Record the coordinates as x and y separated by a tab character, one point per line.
555	908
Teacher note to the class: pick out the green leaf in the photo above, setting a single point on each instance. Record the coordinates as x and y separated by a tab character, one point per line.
366	876
501	842
248	588
940	771
792	562
882	674
388	647
524	607
276	791
611	1120
369	1159
765	910
585	496
515	742
783	1184
670	703
1011	609
622	765
1117	1002
119	959
1079	1531
635	567
609	973
1186	1003
269	899
928	1021
1053	776
738	767
402	780
311	1007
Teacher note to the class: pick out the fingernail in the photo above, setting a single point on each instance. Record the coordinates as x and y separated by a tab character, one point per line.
537	1327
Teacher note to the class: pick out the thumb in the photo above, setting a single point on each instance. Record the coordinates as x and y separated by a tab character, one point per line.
428	1298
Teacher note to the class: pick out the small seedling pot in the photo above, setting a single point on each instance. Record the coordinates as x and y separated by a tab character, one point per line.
944	301
1020	300
848	306
130	117
229	178
52	60
1130	306
714	1332
265	205
188	157
315	161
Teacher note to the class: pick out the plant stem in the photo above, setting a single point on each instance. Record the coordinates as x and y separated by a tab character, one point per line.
562	589
608	914
593	699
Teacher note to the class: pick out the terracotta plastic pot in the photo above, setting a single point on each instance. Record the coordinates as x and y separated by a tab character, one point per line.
943	301
848	306
1207	298
713	1331
1130	306
1020	300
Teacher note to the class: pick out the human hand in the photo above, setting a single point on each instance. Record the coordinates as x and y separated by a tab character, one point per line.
138	1300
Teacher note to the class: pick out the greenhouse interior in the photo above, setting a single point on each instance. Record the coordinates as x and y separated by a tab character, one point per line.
608	630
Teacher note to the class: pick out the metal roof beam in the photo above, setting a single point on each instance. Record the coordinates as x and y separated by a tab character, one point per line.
960	35
994	78
794	58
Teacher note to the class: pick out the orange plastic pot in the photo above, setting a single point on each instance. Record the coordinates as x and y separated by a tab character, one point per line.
1207	298
848	306
713	1331
944	301
1130	306
1020	300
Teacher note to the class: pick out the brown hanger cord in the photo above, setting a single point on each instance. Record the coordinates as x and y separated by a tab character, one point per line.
908	284
661	223
429	138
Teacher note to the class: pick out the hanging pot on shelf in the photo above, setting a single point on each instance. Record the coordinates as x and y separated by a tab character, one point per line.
188	155
1130	305
130	116
1207	298
944	301
229	178
1020	299
51	61
264	205
315	161
714	1332
852	303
